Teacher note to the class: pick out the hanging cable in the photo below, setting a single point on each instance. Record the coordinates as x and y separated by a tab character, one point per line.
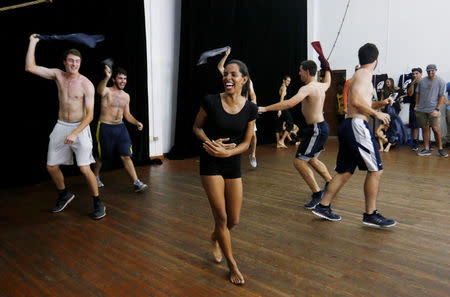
24	4
339	32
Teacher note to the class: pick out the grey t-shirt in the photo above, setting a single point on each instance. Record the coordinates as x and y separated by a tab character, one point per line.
430	91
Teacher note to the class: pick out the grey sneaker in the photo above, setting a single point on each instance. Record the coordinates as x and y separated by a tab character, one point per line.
442	153
139	186
99	182
62	202
252	161
424	152
99	210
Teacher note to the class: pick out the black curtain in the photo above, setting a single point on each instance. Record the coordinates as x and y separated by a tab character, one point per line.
270	36
30	103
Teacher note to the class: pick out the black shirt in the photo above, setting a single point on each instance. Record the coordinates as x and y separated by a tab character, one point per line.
221	124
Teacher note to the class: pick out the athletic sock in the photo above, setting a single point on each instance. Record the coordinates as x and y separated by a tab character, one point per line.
317	194
62	193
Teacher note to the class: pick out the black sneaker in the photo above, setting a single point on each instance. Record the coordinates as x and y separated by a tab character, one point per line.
314	200
377	220
442	153
99	210
415	147
62	202
326	213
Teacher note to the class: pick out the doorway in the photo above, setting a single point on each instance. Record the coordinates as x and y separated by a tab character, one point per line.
330	106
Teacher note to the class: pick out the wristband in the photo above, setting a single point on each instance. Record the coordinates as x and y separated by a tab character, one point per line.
437	109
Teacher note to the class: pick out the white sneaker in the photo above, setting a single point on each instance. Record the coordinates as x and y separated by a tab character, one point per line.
252	161
139	186
99	182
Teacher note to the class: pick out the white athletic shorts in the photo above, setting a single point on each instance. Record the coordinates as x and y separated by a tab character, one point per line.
60	153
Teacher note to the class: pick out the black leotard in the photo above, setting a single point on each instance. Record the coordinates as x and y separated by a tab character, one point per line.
220	124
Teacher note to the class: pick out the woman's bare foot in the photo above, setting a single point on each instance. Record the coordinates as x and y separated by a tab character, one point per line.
217	253
236	276
281	145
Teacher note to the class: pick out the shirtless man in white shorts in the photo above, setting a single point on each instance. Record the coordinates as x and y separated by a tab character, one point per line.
357	145
71	133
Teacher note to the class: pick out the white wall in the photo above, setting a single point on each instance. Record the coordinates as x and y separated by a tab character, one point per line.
162	23
408	33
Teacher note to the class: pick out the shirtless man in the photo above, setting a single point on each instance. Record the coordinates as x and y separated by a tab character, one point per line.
357	146
315	133
71	133
112	135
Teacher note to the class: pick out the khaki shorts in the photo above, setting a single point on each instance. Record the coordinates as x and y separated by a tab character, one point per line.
424	119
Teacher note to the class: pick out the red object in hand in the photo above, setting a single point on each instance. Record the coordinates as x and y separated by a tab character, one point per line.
316	45
323	62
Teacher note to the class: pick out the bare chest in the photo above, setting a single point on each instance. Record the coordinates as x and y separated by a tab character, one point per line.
115	101
71	91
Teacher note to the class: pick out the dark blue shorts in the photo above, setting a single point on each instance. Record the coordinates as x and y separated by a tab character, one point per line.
113	140
315	136
412	118
357	147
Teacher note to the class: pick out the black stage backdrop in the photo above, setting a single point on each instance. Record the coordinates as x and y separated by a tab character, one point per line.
30	103
270	36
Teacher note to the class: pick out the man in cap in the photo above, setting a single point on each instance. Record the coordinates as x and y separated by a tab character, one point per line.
429	99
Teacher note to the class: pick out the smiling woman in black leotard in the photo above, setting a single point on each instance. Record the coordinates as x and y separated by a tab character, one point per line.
225	124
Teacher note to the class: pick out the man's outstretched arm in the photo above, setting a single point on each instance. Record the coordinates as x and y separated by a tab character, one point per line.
30	61
101	88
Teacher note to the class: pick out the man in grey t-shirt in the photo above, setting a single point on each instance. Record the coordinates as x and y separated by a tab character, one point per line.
429	99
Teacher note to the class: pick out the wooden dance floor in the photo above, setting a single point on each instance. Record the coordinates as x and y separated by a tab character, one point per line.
156	243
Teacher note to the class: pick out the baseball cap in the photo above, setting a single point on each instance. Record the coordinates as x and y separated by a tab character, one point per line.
431	67
417	69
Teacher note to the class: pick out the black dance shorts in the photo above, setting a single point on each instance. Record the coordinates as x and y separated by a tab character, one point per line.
228	168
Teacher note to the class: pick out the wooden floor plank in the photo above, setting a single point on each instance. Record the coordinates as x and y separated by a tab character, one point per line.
156	243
